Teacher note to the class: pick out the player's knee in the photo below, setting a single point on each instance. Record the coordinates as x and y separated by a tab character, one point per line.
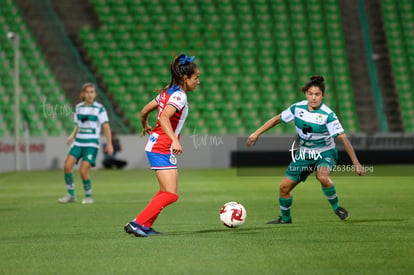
323	179
84	173
67	167
284	189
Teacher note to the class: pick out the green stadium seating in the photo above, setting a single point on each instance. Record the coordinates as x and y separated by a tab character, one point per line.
399	21
253	56
41	99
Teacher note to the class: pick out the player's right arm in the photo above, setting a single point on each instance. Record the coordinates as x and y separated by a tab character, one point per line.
151	106
72	136
252	139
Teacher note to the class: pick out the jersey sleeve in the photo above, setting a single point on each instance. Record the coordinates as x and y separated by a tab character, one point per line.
103	115
157	99
178	100
334	126
288	115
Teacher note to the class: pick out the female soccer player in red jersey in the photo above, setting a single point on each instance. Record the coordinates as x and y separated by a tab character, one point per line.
163	144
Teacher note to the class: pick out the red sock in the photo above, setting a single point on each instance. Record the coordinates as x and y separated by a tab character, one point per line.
152	220
159	201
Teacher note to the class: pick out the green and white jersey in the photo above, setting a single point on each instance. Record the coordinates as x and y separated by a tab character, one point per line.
89	120
316	129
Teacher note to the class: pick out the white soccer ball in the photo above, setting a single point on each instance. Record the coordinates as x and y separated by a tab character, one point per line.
233	214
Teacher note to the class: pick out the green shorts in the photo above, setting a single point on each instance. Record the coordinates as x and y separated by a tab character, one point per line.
86	153
302	167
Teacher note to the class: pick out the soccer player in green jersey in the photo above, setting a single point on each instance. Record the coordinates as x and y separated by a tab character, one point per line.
316	125
84	140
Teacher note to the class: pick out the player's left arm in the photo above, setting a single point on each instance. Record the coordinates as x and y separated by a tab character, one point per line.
351	153
108	135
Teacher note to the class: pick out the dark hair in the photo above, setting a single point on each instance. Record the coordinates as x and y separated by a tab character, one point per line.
315	81
84	86
182	65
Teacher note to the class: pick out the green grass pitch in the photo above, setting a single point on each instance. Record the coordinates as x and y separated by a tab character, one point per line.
40	236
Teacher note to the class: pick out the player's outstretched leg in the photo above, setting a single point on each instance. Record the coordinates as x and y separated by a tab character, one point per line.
342	213
138	230
87	186
333	200
70	186
285	205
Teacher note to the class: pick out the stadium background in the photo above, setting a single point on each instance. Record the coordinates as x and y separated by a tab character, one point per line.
254	56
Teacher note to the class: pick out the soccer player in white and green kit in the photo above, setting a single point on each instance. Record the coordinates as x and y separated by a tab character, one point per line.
316	125
89	117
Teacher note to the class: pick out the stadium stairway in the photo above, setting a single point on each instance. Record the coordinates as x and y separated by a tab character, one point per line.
399	21
34	15
382	62
52	37
365	104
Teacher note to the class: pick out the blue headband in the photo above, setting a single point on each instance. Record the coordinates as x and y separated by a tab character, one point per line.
185	59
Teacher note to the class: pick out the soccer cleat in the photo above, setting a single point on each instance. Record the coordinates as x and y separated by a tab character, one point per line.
151	231
342	213
279	221
135	229
87	200
67	198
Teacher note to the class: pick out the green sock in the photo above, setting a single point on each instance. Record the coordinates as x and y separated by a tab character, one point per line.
331	195
87	187
70	186
285	205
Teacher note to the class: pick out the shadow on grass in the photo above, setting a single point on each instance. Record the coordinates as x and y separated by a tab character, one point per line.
243	230
7	209
250	230
374	220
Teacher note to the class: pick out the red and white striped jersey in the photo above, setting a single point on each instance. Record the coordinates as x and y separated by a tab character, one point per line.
158	141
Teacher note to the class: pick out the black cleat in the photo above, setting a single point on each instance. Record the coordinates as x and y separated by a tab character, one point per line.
279	221
135	229
151	231
342	213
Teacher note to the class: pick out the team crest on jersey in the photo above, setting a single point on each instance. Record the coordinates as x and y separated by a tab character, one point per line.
177	97
92	111
319	119
173	159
